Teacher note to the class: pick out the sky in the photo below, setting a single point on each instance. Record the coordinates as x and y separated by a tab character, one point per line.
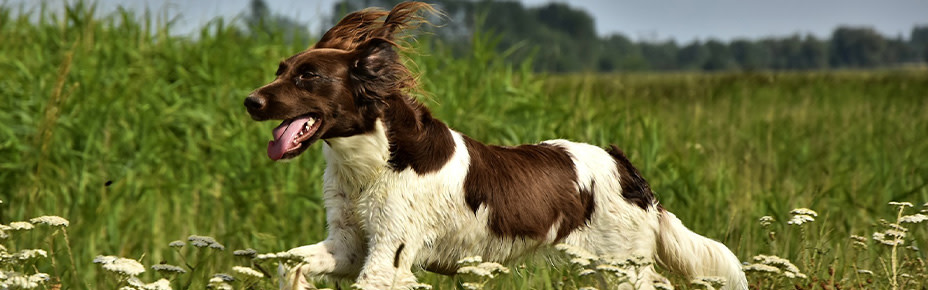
682	20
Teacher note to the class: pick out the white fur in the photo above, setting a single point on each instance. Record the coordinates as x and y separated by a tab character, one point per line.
373	210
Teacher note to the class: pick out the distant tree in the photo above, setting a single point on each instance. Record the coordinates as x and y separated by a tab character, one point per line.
750	55
693	56
619	53
856	47
813	54
262	23
660	55
720	57
918	41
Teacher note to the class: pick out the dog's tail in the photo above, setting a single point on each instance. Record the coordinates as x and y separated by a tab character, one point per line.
685	252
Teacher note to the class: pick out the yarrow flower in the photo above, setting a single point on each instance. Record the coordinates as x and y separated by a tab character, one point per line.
473	270
21	226
55	221
913	219
177	244
800	219
889	240
804	211
161	284
205	241
901	204
766	220
788	269
223	277
247	271
30	254
119	265
865	272
708	282
859	241
168	269
470	260
245	253
760	268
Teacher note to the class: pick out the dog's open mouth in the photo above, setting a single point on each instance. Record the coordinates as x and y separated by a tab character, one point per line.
293	136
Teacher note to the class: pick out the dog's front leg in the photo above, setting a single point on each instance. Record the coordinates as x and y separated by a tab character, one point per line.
339	255
395	239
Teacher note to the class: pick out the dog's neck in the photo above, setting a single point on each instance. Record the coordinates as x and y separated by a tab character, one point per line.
361	157
404	136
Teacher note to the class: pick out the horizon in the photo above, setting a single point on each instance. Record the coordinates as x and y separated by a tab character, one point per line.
650	21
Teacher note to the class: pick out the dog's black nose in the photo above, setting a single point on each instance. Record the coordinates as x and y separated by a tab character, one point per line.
255	103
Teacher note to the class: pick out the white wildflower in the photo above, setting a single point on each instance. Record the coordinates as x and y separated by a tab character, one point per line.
865	272
470	260
713	280
168	269
494	267
177	244
422	286
804	211
586	272
245	253
223	277
119	265
901	204
247	271
766	220
800	219
161	284
55	221
471	286
588	288
913	219
703	284
20	282
859	241
21	226
39	277
788	268
761	268
580	262
662	285
30	254
791	275
475	271
883	239
205	241
575	252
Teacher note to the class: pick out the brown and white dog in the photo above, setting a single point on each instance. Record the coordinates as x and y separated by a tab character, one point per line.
403	190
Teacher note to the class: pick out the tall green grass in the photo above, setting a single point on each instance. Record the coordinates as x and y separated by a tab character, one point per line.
139	138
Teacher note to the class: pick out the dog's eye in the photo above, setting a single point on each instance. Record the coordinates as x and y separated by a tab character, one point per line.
308	76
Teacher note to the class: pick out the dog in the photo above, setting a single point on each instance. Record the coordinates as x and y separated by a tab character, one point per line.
403	190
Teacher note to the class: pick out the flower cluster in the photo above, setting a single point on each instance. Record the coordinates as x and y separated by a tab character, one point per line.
801	216
121	266
774	264
205	241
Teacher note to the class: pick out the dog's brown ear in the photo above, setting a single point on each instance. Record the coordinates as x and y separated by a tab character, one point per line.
377	71
359	27
352	29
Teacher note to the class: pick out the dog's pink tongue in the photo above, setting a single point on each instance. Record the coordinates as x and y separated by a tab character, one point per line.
283	137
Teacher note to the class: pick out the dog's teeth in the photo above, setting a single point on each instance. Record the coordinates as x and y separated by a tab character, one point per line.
300	133
310	122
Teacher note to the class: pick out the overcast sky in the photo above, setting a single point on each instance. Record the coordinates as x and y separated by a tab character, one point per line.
683	20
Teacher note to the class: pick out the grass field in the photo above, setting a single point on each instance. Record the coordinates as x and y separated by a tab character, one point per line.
139	138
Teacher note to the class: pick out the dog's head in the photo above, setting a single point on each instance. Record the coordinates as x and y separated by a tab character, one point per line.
337	87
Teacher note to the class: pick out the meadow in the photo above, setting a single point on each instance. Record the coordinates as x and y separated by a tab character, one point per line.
139	139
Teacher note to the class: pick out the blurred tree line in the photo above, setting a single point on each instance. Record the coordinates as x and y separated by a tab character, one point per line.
561	38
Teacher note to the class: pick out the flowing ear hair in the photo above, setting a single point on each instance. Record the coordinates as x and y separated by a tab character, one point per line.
359	27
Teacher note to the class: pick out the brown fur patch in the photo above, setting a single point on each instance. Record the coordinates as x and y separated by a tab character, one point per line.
416	139
635	189
527	189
